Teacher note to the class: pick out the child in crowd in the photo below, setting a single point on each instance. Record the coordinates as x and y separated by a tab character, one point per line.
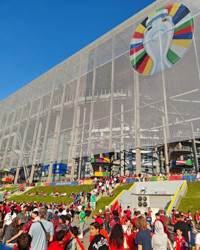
58	245
179	241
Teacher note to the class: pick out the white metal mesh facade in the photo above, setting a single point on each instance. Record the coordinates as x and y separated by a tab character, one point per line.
87	105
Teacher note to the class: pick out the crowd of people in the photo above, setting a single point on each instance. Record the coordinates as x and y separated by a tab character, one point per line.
39	226
138	231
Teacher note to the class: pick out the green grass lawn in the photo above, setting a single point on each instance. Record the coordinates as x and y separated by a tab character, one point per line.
104	201
191	201
48	199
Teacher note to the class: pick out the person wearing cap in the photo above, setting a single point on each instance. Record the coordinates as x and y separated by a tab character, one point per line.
34	217
100	215
102	231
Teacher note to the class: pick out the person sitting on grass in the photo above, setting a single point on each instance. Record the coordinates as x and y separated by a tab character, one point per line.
58	245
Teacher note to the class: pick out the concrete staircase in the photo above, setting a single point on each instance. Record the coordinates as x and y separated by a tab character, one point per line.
105	194
18	192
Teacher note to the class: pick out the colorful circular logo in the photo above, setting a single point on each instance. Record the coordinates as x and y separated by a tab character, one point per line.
162	39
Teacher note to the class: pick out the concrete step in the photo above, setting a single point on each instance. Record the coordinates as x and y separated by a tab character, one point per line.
18	192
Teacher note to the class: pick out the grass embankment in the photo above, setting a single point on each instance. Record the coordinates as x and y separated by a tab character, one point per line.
191	201
48	199
105	201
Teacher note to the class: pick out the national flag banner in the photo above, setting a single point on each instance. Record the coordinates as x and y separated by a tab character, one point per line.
115	206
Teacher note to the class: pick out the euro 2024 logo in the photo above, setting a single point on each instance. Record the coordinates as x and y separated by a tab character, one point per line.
162	39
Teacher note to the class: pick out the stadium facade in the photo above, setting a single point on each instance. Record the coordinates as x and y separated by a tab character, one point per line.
136	87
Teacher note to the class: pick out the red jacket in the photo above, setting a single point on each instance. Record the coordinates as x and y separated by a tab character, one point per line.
180	243
55	246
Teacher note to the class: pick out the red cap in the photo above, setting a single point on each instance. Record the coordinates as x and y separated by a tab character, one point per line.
99	220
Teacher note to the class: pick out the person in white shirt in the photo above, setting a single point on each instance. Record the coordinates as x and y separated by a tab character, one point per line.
8	219
197	242
10	216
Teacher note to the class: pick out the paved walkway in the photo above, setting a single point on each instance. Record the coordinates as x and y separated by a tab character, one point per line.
86	235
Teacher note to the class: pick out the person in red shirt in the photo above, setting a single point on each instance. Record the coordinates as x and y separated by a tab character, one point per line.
180	242
107	218
128	212
163	217
58	245
116	239
196	217
124	218
18	207
100	215
130	239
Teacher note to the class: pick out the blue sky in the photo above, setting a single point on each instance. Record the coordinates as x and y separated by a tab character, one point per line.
36	35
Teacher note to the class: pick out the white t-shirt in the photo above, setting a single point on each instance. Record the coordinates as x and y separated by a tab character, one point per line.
64	212
8	218
197	240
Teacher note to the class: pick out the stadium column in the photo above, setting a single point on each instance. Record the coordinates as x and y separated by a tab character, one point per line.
122	141
194	148
48	117
16	175
23	141
37	117
54	147
92	103
165	146
36	150
137	123
112	93
193	140
7	108
165	111
76	118
75	143
82	140
195	155
10	125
